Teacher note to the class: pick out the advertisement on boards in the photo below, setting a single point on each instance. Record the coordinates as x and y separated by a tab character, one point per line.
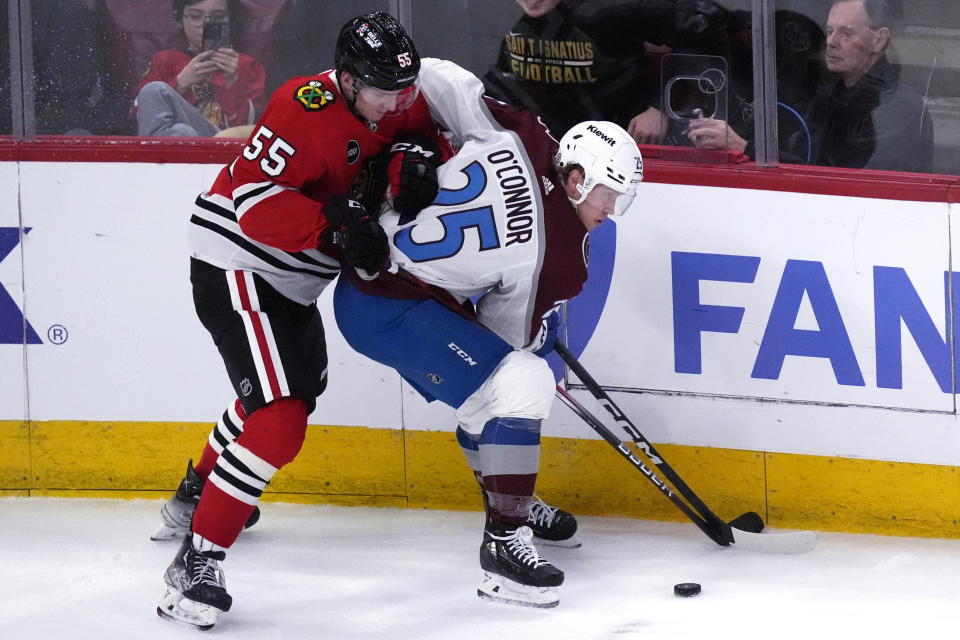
13	327
107	264
780	321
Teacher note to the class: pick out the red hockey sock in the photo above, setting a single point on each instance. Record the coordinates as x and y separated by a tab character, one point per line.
219	517
271	438
207	461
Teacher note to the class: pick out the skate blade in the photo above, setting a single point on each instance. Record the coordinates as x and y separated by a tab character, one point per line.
173	606
500	589
573	542
165	533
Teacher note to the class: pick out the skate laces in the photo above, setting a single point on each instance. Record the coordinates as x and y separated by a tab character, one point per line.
520	544
206	570
541	513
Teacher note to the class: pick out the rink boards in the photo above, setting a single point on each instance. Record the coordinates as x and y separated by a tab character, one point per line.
793	353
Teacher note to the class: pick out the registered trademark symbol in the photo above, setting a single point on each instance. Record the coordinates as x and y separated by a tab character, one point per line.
57	334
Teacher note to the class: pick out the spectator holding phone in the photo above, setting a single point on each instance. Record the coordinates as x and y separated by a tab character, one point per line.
577	60
205	87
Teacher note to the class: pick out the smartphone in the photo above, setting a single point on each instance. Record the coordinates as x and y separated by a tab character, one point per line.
216	34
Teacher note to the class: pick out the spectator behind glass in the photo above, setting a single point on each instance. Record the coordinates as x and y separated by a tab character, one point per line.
64	60
205	88
863	117
571	60
867	119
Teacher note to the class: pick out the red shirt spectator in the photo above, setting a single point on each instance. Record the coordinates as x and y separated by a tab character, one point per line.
224	104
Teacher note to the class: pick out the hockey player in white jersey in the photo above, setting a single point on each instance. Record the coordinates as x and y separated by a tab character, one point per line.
510	225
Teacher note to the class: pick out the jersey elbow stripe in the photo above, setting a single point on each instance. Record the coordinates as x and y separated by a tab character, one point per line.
217	205
249	196
312	267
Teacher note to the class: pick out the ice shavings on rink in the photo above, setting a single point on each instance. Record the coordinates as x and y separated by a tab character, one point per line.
74	568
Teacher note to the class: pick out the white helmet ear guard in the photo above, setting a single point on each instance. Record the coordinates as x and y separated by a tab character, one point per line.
608	155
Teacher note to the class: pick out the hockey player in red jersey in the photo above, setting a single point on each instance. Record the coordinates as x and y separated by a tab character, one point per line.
261	253
509	225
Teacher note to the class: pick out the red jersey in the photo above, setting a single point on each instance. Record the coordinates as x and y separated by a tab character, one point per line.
264	212
224	106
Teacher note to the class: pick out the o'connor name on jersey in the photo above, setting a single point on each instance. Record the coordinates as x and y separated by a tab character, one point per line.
517	197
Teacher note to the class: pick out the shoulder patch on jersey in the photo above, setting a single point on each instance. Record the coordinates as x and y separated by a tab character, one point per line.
313	96
353	151
586	249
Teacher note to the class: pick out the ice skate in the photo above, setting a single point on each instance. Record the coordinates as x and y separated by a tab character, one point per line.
177	513
196	590
552	526
513	571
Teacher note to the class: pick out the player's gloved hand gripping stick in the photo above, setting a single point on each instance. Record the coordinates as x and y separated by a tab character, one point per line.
743	531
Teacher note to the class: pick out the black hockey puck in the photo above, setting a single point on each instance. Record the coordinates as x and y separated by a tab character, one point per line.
686	589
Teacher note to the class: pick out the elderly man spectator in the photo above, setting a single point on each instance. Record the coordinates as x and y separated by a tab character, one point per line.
865	118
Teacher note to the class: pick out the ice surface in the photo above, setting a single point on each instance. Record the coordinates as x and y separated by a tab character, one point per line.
74	568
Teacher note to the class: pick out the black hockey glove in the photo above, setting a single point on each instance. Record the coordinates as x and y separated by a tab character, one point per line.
412	177
359	235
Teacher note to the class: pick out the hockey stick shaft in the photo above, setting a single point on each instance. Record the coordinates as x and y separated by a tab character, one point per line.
594	423
724	534
720	527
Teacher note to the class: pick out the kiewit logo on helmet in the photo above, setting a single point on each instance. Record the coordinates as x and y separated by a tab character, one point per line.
600	134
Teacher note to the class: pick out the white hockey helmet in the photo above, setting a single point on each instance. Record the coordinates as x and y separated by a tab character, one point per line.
608	155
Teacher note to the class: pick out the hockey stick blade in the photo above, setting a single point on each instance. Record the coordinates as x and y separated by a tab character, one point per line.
785	542
721	532
743	531
749	521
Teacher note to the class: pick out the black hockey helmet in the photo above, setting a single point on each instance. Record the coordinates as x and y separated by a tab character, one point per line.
377	51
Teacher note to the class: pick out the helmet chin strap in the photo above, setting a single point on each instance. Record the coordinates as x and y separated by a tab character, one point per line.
583	196
352	101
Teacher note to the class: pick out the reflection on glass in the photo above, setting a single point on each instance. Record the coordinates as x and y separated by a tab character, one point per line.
305	35
6	113
68	84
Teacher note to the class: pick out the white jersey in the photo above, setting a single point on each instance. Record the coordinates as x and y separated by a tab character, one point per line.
486	231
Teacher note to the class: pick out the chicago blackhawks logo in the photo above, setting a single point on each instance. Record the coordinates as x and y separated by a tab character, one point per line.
314	97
